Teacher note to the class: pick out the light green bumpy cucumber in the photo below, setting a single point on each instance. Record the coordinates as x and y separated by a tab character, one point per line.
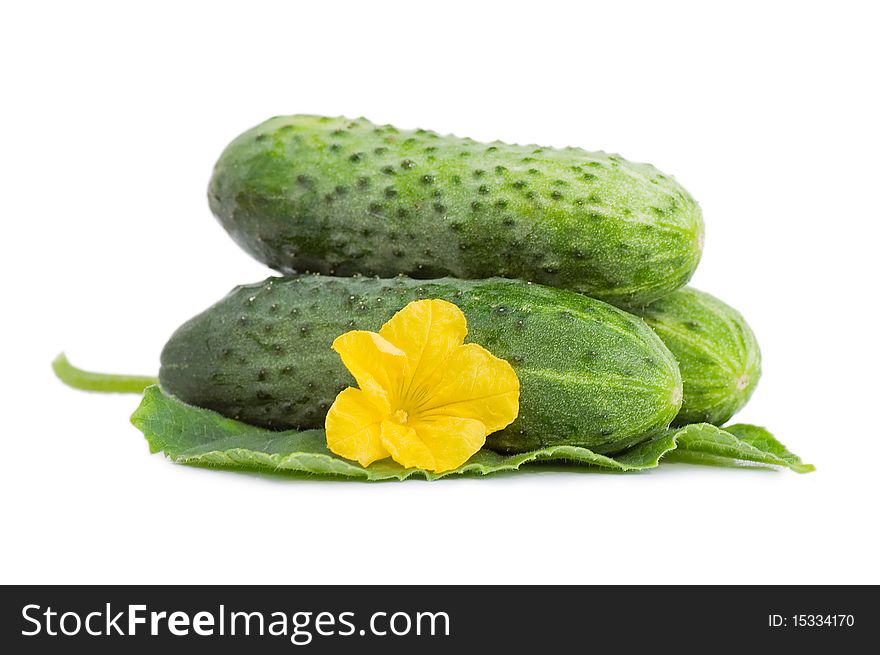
591	375
340	196
716	350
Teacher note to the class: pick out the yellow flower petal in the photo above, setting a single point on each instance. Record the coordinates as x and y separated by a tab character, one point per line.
450	439
405	447
353	427
475	384
425	399
377	365
427	331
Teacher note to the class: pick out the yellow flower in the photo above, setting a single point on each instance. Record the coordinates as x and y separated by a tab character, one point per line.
426	399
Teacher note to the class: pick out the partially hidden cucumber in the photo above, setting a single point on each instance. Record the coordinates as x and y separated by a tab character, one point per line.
591	375
340	196
717	353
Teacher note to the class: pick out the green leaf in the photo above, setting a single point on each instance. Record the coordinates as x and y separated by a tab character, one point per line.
702	443
191	435
103	382
200	437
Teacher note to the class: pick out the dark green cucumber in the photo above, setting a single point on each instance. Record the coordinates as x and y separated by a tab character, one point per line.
339	196
590	374
716	350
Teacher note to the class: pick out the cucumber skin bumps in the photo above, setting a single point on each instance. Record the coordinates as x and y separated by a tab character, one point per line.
591	375
339	197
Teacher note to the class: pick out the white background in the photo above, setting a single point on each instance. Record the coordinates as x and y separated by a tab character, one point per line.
112	117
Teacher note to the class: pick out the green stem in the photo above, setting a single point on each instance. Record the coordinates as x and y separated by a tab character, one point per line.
103	382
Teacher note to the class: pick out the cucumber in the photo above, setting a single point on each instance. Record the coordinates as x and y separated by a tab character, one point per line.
716	350
339	197
591	375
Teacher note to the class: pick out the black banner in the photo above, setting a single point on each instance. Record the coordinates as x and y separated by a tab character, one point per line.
325	619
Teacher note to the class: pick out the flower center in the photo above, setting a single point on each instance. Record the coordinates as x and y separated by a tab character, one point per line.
400	416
